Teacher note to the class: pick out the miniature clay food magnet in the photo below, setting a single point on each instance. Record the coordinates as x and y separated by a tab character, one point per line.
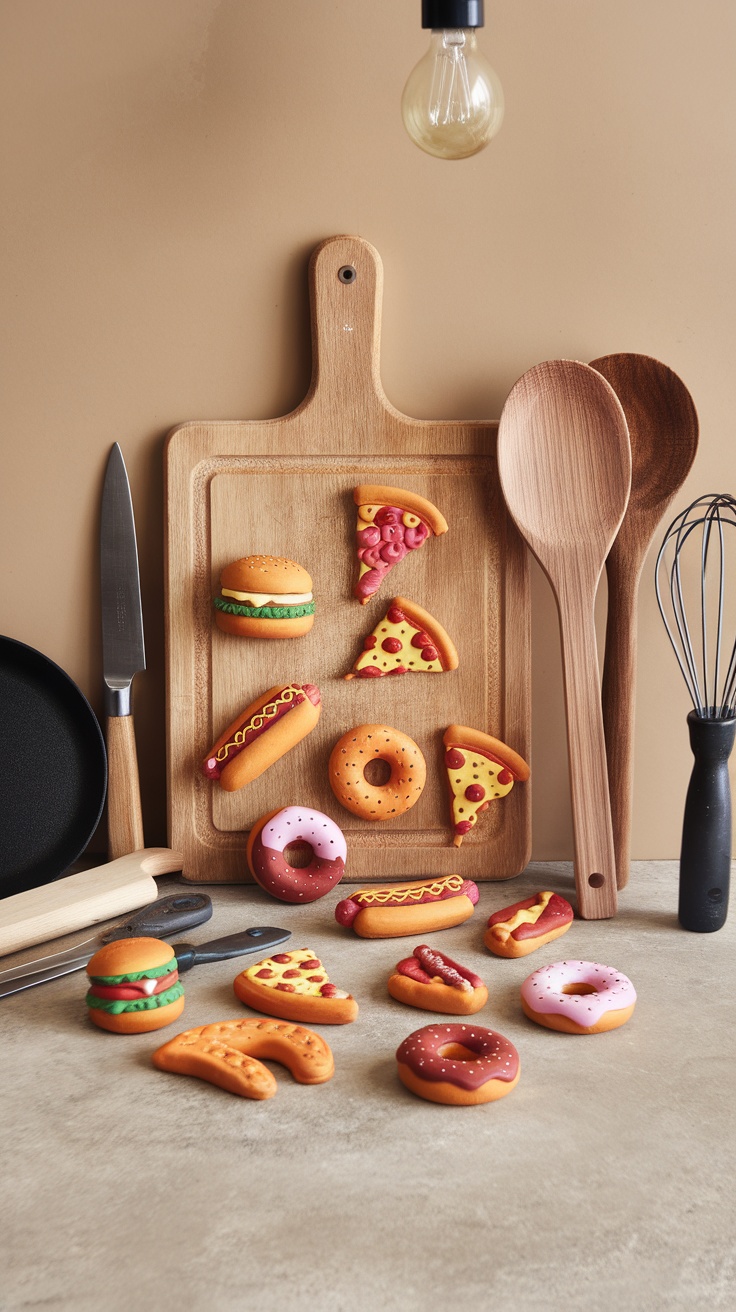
479	770
395	910
273	833
226	1054
134	986
430	980
522	928
407	640
267	729
578	997
391	522
265	597
458	1064
295	986
357	751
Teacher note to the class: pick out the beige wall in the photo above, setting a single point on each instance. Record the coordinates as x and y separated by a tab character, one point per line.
167	166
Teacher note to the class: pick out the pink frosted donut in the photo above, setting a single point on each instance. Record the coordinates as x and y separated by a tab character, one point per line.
272	834
578	997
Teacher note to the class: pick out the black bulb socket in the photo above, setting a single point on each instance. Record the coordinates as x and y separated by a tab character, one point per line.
452	13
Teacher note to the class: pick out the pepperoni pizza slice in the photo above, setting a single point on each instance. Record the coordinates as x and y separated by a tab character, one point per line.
479	770
295	986
407	639
391	522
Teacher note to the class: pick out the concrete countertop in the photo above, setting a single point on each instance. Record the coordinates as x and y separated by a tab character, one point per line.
604	1180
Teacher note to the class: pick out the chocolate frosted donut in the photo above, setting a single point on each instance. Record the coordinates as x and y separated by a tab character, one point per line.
272	834
458	1064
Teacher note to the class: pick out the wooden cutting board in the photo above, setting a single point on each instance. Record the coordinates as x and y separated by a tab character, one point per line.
284	487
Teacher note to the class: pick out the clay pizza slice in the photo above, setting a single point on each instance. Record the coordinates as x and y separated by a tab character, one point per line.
391	523
407	640
295	986
480	769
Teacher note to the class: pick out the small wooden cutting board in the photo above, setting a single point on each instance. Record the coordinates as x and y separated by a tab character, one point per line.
284	487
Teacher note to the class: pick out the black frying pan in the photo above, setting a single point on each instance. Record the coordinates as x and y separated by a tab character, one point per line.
53	769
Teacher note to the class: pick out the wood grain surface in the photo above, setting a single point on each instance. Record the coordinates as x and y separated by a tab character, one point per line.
40	914
663	429
565	468
124	813
284	487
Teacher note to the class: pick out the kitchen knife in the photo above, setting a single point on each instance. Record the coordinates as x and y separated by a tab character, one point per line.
261	938
123	655
160	919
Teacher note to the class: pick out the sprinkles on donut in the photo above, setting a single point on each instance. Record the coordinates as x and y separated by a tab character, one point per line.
458	1064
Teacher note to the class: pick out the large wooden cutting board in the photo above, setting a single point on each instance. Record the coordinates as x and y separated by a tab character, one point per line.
284	487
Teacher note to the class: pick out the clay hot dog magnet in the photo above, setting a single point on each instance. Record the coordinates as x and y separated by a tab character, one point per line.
394	910
432	981
522	928
263	732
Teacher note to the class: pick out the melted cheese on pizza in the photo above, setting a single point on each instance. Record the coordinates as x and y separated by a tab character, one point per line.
394	645
294	972
475	780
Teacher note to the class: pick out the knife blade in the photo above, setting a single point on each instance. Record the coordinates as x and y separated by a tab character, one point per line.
259	938
123	654
160	919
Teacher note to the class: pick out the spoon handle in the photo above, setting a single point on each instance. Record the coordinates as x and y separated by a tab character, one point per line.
595	864
619	704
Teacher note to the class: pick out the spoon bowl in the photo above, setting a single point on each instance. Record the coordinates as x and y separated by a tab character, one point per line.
565	470
663	428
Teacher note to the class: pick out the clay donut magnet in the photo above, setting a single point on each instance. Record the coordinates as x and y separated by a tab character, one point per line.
522	928
262	733
226	1054
407	640
295	986
265	597
461	1065
272	834
396	910
433	982
376	742
391	523
578	997
134	986
480	769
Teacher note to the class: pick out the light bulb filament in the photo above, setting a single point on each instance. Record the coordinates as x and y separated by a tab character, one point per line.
450	99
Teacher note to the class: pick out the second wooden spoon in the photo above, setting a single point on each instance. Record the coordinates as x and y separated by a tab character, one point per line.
565	468
663	427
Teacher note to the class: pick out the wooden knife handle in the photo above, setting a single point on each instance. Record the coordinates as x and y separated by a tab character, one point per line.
124	816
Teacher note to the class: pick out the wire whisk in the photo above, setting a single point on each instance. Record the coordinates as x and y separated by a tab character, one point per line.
702	527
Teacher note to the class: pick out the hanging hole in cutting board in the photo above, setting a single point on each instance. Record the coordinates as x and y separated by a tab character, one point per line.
347	273
377	773
596	881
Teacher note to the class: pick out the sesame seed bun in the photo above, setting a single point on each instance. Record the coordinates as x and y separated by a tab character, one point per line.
269	578
130	956
273	574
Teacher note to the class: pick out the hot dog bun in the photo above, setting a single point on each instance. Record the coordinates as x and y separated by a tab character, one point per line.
420	907
522	928
267	729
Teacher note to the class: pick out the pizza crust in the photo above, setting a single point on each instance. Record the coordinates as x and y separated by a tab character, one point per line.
376	494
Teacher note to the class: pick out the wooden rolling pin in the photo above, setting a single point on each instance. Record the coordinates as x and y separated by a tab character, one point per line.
83	899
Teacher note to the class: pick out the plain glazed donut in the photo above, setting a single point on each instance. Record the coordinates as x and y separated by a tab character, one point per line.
458	1064
272	834
376	742
578	997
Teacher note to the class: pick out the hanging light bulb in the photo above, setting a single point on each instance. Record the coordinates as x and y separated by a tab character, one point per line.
453	102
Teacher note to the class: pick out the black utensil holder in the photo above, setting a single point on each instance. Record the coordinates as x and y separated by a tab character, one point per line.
705	855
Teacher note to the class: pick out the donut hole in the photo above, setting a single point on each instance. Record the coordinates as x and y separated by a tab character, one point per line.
456	1052
578	988
298	854
377	772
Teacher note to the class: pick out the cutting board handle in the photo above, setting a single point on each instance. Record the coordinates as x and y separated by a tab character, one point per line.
346	287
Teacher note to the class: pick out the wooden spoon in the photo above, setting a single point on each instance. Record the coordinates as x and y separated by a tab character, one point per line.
663	427
565	467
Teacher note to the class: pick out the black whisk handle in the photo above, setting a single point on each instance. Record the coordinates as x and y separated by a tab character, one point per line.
705	856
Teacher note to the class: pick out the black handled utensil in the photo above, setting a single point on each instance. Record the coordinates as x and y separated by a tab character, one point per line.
233	945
